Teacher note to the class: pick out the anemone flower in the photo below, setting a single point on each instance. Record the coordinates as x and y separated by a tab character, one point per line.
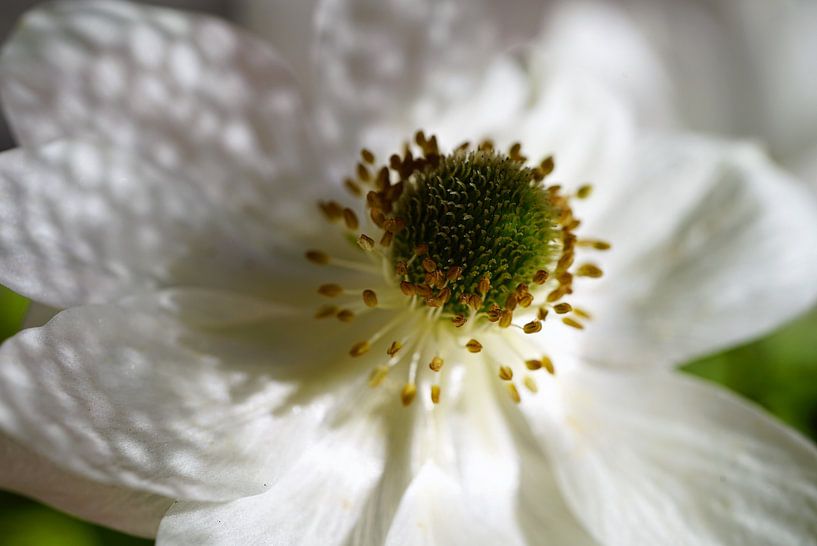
468	339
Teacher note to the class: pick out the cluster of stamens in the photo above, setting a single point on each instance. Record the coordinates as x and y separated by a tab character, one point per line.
472	239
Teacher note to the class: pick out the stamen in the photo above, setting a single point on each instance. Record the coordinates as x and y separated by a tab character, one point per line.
436	364
532	327
435	394
573	323
584	191
595	244
530	383
326	311
589	270
541	277
505	373
408	393
365	242
378	375
350	219
317	257
370	298
346	315
533	364
514	393
360	348
473	346
330	290
562	308
394	348
547	364
367	156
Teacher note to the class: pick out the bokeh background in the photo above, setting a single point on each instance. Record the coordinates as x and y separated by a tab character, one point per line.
779	372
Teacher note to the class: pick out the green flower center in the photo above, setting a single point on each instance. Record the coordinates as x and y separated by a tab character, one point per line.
483	213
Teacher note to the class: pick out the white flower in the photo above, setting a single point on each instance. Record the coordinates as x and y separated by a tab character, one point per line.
164	196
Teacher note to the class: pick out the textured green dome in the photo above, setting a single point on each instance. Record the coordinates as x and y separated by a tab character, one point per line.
483	212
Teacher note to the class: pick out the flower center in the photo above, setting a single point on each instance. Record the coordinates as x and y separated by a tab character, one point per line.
482	215
454	244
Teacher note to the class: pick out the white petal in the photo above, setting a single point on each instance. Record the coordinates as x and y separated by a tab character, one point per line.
378	60
27	473
736	68
602	40
712	245
186	394
504	476
432	512
187	92
659	458
83	222
317	502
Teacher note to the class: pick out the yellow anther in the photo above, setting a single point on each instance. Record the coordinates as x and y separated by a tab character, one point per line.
370	298
331	209
459	320
330	290
408	393
367	156
346	315
547	364
484	285
360	348
511	302
584	191
365	242
562	308
595	244
589	270
525	300
326	311
533	364
541	276
383	181
395	225
556	295
582	313
387	239
401	269
423	290
573	323
505	373
352	187
377	376
436	364
429	265
420	138
407	288
531	385
363	173
454	273
435	394
317	257
394	348
473	346
547	165
505	318
514	393
475	301
542	313
532	327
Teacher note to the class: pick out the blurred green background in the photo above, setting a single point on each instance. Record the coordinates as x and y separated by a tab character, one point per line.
779	372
